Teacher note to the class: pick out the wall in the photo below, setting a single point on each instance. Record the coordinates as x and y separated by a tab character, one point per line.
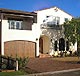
54	34
12	34
41	15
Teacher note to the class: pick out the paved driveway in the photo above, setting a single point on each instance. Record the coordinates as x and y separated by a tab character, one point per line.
40	65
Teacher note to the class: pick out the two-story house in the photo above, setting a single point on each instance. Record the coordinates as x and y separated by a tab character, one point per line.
29	34
52	39
18	33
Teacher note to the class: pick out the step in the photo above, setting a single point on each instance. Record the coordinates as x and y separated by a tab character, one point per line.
44	55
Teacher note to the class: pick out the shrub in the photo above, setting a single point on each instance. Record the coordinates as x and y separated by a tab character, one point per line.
22	62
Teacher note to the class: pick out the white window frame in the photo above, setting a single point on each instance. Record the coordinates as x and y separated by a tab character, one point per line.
15	24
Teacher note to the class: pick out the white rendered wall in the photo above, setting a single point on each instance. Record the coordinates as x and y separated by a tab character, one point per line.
12	34
41	15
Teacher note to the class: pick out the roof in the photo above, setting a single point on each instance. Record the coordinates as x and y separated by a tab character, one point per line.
53	7
9	11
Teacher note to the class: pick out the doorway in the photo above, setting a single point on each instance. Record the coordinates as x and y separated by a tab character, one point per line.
41	45
44	44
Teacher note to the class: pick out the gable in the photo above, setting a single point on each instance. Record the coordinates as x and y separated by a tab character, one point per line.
53	10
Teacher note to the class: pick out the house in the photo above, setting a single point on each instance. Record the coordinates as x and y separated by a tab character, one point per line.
18	33
52	39
29	34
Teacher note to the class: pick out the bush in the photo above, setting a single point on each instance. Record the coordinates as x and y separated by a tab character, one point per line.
22	62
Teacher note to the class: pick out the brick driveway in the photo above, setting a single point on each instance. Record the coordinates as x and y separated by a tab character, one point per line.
49	65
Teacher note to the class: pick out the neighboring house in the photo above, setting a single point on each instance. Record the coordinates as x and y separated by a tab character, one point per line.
29	34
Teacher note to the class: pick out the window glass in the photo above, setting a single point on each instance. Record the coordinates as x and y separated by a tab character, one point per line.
55	21
66	19
12	25
18	25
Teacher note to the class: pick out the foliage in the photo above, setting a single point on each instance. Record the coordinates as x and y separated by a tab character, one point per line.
72	30
7	62
12	73
22	62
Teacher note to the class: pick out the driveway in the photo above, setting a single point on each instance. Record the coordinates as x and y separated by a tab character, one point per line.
40	65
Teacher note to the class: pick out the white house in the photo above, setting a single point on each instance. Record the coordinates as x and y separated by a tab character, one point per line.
18	33
31	34
52	38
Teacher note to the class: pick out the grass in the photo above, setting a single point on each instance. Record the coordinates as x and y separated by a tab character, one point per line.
12	73
67	59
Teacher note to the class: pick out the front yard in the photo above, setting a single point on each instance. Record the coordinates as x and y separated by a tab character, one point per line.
39	65
12	73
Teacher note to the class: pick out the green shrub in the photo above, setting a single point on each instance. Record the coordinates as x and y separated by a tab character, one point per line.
22	62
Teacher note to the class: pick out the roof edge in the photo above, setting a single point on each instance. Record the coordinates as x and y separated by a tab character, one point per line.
53	7
4	10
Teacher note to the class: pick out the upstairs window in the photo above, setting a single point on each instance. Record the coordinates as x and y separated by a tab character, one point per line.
54	21
14	24
20	24
65	19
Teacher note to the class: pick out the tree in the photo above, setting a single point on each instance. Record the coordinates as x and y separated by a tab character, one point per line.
72	31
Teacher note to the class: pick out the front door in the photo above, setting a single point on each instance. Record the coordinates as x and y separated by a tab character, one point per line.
41	45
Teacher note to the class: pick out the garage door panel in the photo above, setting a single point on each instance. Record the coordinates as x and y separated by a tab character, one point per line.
19	48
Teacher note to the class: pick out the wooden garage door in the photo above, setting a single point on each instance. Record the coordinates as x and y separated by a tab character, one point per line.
20	48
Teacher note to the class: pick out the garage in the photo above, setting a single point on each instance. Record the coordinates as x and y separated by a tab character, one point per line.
20	48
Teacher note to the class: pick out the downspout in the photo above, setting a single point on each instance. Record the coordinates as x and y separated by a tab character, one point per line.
2	52
0	35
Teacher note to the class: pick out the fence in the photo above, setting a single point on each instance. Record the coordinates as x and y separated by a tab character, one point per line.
7	63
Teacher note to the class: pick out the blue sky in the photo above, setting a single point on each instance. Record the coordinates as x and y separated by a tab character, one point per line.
70	6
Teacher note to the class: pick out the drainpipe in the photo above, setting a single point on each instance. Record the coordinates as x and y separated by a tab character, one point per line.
2	51
37	47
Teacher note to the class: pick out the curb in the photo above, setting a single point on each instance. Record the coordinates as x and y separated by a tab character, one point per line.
55	72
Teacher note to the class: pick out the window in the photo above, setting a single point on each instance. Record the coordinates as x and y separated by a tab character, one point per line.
65	19
54	21
14	24
18	25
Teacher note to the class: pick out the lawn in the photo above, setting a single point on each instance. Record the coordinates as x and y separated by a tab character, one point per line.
12	73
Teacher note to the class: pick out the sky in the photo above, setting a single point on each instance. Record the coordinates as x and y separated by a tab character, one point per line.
70	6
